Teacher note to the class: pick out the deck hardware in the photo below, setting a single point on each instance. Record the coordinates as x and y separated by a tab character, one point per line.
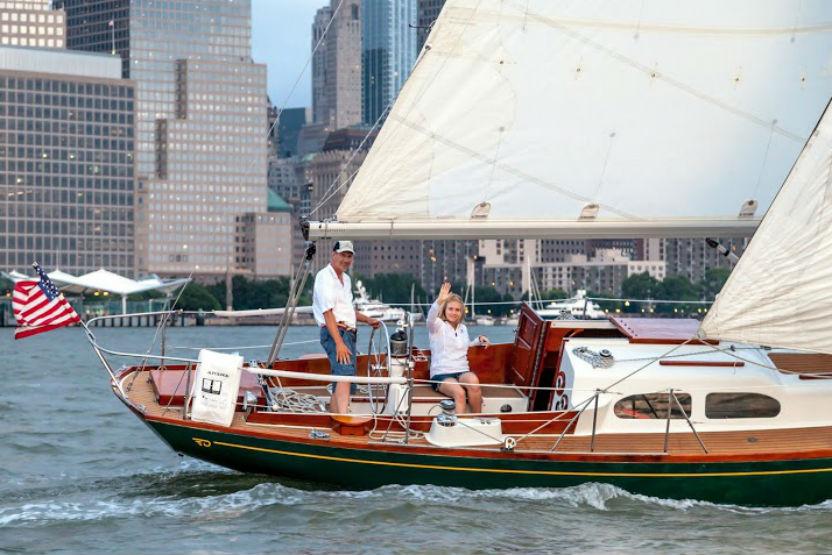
318	434
752	439
249	401
505	408
509	444
448	416
602	359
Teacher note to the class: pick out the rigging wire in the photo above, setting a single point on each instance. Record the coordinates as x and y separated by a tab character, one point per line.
329	193
162	323
282	107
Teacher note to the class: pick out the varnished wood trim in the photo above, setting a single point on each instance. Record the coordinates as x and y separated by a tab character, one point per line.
710	363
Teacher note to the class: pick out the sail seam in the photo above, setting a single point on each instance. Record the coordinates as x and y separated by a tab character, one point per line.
506	168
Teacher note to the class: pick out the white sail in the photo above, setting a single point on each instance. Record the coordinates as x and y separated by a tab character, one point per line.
666	115
779	293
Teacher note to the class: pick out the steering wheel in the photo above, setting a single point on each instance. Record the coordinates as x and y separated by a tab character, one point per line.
378	366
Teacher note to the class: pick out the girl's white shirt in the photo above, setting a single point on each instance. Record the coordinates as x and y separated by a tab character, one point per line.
448	346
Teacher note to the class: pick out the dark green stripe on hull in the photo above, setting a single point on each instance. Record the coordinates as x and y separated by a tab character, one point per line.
788	483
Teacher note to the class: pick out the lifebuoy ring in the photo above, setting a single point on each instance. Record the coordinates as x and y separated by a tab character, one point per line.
560	383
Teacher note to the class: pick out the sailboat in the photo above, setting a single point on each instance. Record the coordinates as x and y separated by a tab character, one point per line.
554	119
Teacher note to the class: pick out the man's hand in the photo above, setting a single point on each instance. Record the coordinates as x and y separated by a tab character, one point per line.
343	353
484	341
373	323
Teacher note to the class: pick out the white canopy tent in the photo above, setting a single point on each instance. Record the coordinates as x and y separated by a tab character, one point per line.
104	280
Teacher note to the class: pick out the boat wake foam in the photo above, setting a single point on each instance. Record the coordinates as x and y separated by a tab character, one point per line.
200	490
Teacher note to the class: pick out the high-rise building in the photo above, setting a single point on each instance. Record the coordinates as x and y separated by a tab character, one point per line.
31	23
336	65
428	12
264	241
691	258
320	71
291	121
201	144
66	161
388	52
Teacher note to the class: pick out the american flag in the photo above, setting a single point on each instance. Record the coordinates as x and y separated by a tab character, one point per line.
38	306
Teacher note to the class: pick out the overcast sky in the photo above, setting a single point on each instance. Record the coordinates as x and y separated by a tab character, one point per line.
281	39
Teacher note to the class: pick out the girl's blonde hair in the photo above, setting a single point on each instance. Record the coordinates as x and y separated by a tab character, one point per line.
452	298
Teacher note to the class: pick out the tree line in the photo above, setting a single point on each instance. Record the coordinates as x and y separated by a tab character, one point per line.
639	291
396	288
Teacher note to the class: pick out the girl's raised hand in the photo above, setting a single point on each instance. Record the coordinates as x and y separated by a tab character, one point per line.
444	292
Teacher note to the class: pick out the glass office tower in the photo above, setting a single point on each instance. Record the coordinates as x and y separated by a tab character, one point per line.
200	121
388	52
66	161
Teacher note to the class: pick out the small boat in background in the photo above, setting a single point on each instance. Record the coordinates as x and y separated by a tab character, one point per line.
484	320
578	307
375	308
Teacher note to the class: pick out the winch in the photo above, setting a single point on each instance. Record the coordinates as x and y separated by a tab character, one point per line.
450	430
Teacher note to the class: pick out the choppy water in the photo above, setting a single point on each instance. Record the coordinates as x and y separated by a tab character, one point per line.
80	474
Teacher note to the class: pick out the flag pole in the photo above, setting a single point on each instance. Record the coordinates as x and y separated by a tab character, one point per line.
113	35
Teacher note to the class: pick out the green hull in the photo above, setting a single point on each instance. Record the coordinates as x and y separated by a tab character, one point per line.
763	483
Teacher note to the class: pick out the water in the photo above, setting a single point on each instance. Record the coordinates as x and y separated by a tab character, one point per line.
80	474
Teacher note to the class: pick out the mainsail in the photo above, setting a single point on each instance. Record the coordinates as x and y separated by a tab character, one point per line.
602	118
779	293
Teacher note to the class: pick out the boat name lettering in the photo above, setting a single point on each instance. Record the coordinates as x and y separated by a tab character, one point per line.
202	442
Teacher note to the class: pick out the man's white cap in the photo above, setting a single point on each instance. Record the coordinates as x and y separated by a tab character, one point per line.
343	246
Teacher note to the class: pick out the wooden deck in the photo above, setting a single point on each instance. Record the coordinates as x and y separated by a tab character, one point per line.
810	364
720	445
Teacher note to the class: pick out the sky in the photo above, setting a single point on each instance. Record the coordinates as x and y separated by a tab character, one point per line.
281	37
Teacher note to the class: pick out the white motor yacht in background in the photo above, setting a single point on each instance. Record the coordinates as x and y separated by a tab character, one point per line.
484	320
578	307
375	308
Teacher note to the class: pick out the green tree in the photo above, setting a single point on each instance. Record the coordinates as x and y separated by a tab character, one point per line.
6	286
394	288
677	288
197	297
610	306
553	294
713	282
252	294
485	295
639	286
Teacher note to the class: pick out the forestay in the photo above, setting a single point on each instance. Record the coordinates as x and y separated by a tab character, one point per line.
779	293
669	116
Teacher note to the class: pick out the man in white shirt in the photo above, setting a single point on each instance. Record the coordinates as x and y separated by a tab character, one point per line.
336	315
